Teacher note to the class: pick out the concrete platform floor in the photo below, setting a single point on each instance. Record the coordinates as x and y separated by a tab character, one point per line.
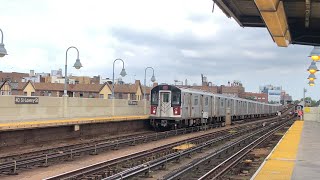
307	165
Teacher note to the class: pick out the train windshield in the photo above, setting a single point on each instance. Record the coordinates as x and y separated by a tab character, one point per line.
154	98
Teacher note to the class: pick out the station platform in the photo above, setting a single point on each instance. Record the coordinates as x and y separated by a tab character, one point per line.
65	122
296	156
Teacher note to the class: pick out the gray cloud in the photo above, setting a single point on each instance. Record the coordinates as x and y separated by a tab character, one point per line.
244	54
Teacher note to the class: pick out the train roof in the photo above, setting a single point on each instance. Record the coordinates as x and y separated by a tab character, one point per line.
199	91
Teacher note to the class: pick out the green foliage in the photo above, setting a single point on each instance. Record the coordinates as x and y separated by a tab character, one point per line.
314	103
250	98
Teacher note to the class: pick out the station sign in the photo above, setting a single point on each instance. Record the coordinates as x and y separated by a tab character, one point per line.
131	102
26	100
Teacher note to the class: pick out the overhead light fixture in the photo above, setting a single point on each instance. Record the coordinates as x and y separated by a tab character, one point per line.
3	50
315	53
311	83
312	77
313	68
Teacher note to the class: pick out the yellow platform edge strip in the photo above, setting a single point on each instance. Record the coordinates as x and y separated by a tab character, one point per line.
59	122
280	163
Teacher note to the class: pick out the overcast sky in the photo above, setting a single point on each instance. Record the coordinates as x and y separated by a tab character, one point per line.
180	39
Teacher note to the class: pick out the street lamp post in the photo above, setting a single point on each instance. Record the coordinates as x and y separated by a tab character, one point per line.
3	51
304	96
153	79
123	73
77	65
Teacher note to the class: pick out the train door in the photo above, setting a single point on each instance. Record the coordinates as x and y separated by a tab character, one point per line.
201	104
222	108
211	103
165	103
195	106
218	106
186	111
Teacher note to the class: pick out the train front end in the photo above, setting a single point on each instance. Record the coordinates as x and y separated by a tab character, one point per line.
165	107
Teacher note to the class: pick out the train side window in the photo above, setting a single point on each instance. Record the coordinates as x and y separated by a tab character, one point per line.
207	101
196	101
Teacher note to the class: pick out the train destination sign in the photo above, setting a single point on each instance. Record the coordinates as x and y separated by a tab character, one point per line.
26	100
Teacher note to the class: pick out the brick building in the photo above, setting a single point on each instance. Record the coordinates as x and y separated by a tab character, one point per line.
56	90
12	76
236	91
260	97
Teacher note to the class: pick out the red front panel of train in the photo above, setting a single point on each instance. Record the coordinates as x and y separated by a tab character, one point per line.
176	110
153	110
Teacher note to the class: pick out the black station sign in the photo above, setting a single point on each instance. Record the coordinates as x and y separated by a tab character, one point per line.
26	100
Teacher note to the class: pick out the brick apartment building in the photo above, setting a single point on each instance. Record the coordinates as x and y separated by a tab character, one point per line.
260	97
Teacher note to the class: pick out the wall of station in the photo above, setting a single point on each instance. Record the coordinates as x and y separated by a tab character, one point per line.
13	108
312	114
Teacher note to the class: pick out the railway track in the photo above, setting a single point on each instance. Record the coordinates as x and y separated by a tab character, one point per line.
216	164
13	164
134	164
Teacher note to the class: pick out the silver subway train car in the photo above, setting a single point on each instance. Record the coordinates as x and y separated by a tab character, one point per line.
175	107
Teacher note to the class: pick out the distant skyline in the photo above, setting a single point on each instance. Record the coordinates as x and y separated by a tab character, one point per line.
179	39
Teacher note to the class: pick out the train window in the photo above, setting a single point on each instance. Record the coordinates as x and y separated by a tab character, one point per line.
196	100
154	98
207	101
176	98
165	97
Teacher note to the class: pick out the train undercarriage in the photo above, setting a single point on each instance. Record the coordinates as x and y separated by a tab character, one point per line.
161	124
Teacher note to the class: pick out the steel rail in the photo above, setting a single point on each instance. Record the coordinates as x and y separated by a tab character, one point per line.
85	171
45	158
235	158
185	169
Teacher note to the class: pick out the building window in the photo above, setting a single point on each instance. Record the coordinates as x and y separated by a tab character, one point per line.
81	94
101	96
25	93
132	96
32	93
49	93
2	93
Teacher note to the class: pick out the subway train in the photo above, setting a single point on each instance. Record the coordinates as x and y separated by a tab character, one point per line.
174	107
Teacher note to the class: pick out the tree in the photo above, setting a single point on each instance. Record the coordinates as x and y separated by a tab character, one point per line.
250	98
311	103
296	102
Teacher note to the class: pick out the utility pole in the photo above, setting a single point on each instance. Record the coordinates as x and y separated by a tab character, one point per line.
304	97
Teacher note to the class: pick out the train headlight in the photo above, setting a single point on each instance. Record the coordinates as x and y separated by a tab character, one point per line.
153	109
176	110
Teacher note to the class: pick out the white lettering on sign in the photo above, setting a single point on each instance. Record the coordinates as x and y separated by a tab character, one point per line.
26	100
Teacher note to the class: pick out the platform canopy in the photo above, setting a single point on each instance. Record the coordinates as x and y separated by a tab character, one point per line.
288	21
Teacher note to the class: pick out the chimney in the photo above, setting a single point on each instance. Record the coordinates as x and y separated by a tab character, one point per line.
137	82
31	73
